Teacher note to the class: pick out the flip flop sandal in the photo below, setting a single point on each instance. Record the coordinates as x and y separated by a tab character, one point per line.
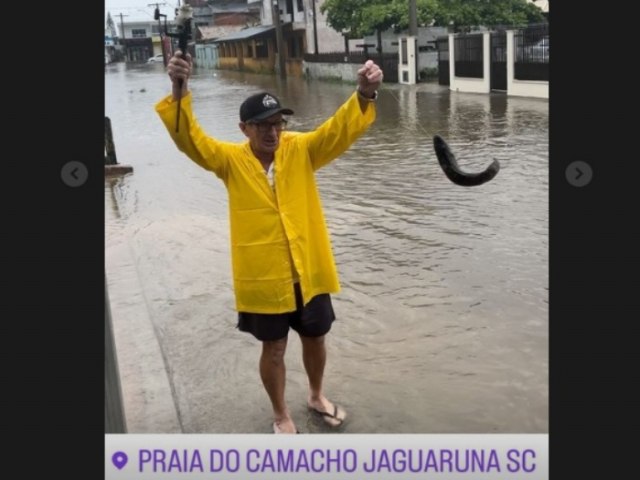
327	417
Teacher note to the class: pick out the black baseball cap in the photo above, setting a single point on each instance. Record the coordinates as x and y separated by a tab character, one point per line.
260	106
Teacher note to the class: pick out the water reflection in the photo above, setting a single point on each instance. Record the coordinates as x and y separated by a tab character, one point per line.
443	314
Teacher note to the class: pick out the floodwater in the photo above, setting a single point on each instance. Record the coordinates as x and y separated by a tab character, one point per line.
443	315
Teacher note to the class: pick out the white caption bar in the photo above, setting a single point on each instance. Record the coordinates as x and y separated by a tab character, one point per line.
327	456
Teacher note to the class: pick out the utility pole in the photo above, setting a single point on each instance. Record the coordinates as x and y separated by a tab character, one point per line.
413	18
123	35
122	23
279	39
315	28
413	30
280	47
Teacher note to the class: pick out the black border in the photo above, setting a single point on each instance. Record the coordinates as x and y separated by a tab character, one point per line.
53	246
594	291
53	243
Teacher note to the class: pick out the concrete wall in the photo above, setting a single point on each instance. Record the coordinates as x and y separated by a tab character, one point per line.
465	84
426	37
228	63
258	65
329	40
346	72
246	64
522	88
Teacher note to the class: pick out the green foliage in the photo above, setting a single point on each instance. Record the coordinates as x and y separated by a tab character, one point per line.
345	15
428	73
469	13
364	17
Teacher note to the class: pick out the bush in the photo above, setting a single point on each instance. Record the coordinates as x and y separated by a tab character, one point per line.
428	73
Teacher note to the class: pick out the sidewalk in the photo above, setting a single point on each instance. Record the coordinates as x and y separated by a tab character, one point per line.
148	399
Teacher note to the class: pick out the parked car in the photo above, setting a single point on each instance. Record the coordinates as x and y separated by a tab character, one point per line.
156	58
541	47
537	52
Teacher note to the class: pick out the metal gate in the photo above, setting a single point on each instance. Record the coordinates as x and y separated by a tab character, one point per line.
442	44
498	50
389	65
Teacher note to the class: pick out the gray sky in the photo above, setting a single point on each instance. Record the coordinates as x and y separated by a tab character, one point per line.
137	9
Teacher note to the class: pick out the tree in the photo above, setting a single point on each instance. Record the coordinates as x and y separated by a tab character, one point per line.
364	17
345	15
110	26
463	14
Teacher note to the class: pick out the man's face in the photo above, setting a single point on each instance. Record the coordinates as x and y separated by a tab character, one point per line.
264	135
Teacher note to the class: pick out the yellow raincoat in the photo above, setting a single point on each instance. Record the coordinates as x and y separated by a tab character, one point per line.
270	228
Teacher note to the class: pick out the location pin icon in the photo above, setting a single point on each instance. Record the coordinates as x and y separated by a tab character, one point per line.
119	459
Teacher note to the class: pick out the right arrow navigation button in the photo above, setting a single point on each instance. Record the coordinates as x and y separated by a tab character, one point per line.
579	174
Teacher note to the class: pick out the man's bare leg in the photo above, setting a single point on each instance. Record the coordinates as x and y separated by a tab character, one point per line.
273	375
314	357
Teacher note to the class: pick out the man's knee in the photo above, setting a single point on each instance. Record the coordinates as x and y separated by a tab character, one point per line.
274	350
313	341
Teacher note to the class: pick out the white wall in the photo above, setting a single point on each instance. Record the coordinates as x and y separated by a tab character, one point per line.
328	39
464	84
522	88
426	36
285	16
347	72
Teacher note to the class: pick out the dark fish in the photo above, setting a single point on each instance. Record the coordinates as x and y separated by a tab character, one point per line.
451	169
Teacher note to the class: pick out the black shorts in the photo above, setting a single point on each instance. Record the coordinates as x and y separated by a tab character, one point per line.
311	320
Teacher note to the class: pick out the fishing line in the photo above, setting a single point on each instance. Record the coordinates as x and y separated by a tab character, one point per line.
447	160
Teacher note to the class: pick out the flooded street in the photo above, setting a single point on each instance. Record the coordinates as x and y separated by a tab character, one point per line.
442	321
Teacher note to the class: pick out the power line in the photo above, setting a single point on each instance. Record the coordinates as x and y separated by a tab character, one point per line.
137	7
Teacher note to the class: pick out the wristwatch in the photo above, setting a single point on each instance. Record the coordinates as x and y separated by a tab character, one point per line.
364	97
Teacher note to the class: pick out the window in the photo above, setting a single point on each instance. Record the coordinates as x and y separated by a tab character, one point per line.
138	33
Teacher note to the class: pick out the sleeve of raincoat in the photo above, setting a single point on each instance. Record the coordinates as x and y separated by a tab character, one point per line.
206	151
339	132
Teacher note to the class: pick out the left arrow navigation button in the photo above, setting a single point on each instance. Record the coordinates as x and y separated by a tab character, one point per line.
74	174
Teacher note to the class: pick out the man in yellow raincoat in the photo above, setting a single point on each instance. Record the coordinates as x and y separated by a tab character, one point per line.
283	266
